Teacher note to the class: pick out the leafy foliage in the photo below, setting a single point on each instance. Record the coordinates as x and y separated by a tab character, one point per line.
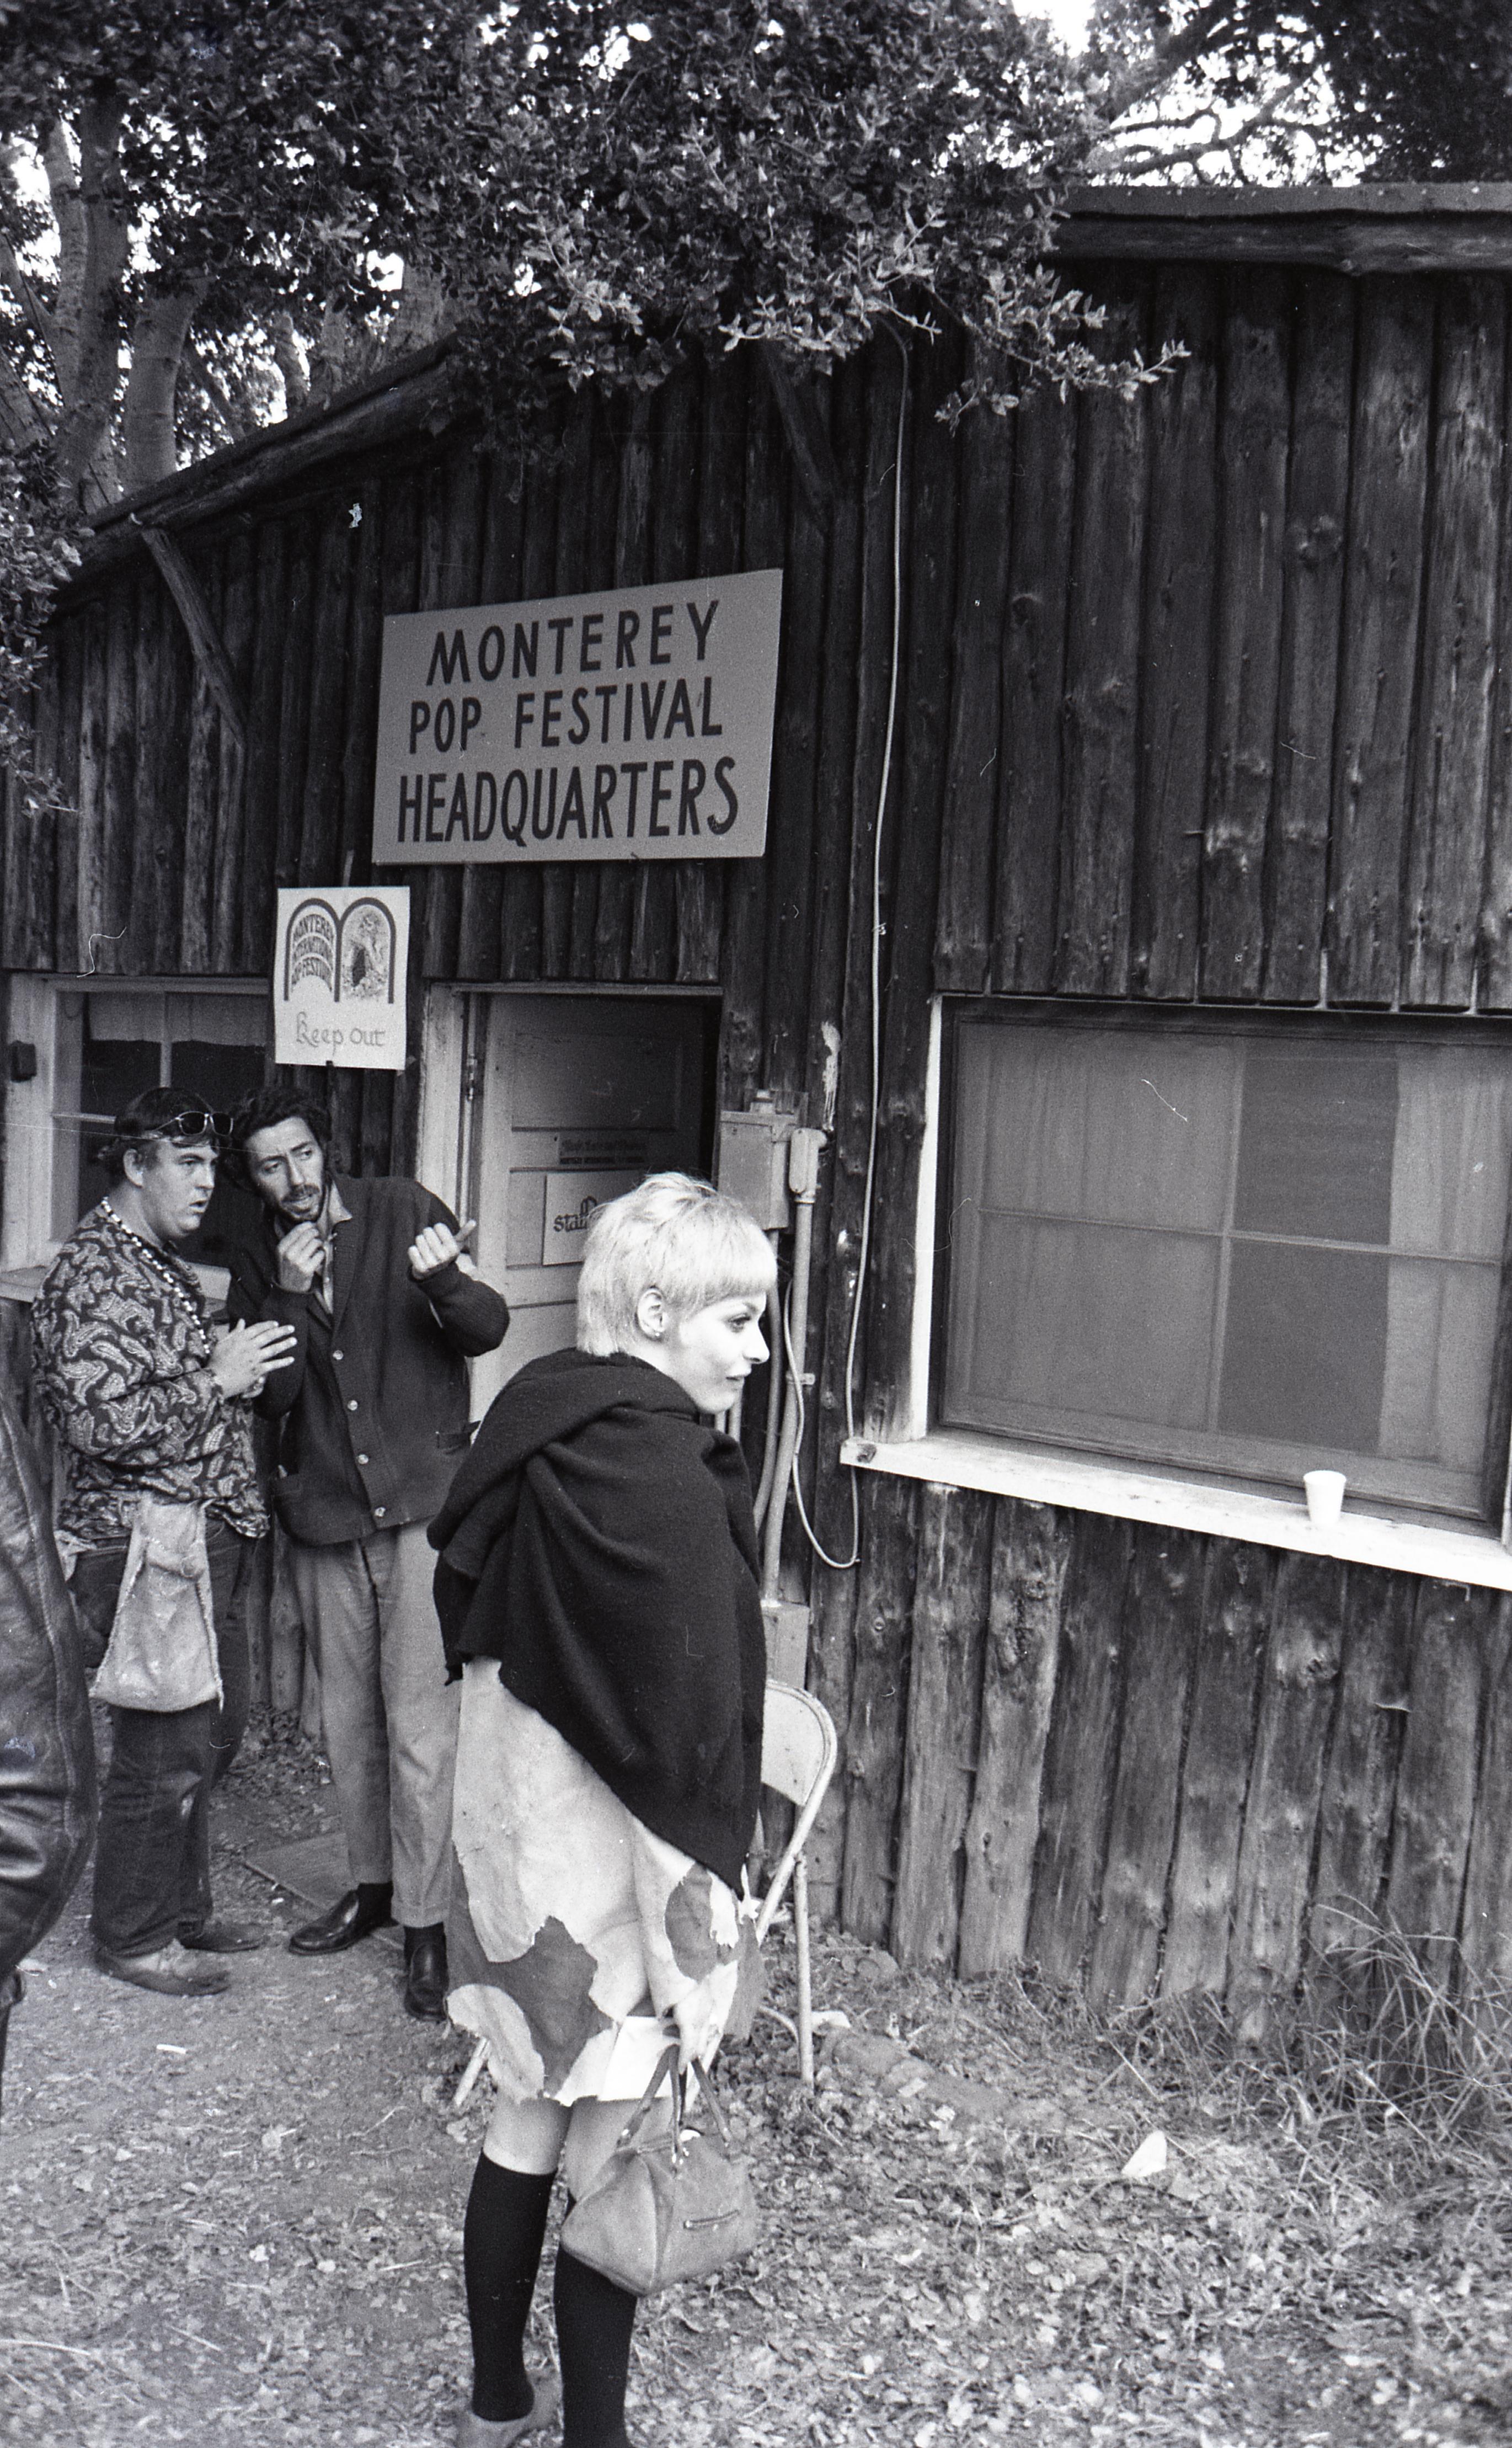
614	196
37	554
265	147
1411	89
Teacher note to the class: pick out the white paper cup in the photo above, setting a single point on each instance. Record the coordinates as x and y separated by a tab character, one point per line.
1324	1490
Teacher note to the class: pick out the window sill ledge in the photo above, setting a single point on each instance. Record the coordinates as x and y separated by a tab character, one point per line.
1471	1557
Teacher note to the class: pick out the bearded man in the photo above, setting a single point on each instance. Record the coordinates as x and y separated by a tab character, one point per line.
386	1308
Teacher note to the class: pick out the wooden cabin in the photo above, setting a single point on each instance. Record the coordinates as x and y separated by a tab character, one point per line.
1176	898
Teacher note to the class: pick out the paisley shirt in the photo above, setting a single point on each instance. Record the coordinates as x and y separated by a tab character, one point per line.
121	1335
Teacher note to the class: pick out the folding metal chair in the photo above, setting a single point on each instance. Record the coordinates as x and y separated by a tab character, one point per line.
797	1760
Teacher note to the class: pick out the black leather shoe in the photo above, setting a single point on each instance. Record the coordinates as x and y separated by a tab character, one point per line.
352	1917
424	1978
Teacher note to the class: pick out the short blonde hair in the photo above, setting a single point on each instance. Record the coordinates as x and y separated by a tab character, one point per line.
676	1235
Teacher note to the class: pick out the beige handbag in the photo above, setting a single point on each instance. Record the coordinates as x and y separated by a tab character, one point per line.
669	2205
161	1652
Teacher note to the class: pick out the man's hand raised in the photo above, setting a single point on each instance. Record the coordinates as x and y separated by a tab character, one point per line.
246	1354
438	1247
301	1254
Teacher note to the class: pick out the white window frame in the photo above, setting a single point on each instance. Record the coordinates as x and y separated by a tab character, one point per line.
914	1448
27	1242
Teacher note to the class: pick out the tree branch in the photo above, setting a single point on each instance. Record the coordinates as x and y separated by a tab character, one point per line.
94	242
1169	54
1135	164
158	337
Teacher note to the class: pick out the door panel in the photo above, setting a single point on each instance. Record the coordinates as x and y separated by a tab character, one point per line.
581	1098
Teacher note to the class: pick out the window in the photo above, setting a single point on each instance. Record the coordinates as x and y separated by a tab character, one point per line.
1250	1246
98	1047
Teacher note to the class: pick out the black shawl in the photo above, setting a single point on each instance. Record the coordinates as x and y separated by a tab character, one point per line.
599	1542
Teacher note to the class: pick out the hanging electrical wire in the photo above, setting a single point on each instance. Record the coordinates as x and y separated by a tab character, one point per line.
849	1564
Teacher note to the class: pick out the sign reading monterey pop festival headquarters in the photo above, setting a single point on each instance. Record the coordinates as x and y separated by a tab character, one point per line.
631	724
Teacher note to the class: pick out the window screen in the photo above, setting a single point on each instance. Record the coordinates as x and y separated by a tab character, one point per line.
1241	1249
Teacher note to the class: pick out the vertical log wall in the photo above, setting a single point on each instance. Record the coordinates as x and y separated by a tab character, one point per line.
1201	696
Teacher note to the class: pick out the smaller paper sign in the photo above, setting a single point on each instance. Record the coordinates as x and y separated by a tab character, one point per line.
338	976
571	1198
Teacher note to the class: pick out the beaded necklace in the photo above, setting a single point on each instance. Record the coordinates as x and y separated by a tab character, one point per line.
170	1269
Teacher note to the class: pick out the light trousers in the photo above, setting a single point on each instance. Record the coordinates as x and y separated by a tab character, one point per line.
389	1714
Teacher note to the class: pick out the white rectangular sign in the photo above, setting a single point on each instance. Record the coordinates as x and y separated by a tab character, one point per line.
338	976
626	725
571	1198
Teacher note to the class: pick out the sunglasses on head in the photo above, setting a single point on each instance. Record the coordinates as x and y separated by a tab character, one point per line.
190	1124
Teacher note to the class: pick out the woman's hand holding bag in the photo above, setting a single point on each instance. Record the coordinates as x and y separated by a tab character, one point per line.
669	2205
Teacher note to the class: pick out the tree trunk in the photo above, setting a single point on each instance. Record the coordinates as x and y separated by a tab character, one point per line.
88	200
21	420
158	338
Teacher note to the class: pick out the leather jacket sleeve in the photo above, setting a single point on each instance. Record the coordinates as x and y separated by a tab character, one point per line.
48	1801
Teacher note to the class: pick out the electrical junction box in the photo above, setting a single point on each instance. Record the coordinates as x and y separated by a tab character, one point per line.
754	1161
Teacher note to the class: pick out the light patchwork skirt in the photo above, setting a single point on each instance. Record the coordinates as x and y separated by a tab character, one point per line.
569	1919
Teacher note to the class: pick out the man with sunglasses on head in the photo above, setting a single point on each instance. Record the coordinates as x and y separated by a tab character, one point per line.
374	1278
149	1401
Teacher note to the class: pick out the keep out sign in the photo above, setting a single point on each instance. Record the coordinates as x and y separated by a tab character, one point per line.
627	725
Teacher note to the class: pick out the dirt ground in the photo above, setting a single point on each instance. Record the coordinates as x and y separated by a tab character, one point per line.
239	2220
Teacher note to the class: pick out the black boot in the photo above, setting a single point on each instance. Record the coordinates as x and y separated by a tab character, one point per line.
425	1980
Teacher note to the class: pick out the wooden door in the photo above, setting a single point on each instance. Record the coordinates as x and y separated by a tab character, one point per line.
581	1096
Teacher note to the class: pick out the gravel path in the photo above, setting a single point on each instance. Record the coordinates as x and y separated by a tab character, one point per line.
238	2221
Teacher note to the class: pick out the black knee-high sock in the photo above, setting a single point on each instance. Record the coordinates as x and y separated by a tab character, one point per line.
501	2252
594	2322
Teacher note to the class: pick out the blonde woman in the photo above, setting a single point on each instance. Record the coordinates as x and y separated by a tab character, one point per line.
598	1587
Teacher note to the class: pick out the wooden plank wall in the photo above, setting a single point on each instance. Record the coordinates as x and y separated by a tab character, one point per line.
1200	698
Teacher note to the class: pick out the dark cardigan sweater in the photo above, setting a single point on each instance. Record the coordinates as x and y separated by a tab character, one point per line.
599	1542
375	1408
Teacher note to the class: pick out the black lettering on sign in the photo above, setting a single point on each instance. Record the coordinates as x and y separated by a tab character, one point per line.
650	707
480	830
722	824
702	628
436	795
592	636
693	779
629	630
573	811
451	662
457	820
605	780
559	628
471	716
444	727
510	824
635	773
708	727
660	794
544	820
526	649
491	654
550	716
419	721
409	807
581	723
524	713
679	710
660	629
